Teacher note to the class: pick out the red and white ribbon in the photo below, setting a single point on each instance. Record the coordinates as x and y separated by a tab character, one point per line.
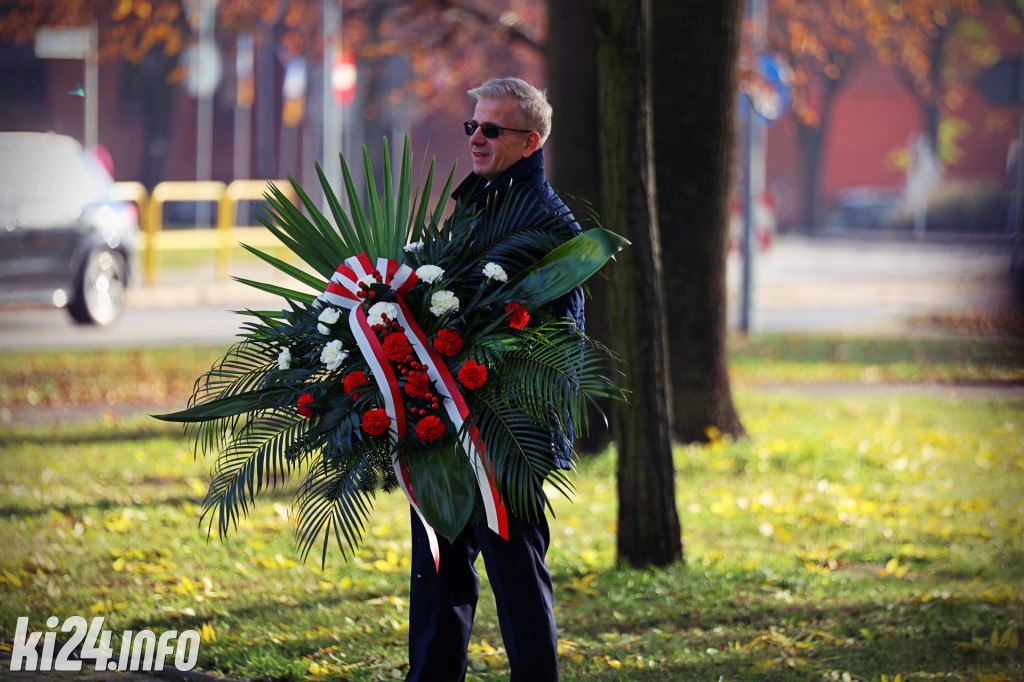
342	291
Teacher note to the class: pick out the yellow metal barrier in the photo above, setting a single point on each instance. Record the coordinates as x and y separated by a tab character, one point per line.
231	232
154	238
222	239
132	191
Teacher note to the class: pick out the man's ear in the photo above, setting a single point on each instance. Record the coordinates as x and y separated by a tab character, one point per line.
532	143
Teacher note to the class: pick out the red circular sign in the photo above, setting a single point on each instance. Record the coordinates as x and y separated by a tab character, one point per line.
343	79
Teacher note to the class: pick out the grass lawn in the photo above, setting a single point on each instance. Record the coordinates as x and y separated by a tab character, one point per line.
851	537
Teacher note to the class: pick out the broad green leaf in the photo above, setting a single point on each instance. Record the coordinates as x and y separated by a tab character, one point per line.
566	267
445	488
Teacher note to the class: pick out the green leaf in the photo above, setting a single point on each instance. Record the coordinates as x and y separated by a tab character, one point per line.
445	489
316	283
228	406
290	294
304	238
348	234
360	223
566	267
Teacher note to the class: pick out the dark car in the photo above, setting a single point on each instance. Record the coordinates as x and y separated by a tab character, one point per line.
63	237
870	208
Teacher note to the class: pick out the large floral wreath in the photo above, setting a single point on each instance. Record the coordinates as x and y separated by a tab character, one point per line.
421	364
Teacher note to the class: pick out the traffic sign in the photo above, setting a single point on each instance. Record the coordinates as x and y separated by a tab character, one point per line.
343	79
63	43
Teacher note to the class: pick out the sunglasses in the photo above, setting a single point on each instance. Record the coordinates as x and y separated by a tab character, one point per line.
490	130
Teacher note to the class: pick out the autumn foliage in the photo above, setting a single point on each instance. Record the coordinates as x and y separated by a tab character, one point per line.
446	44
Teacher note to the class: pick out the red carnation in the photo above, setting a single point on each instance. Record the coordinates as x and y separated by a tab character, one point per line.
517	315
304	400
375	422
473	375
353	381
447	342
430	429
417	384
396	347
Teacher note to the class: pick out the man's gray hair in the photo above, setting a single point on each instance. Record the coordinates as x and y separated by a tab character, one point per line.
534	112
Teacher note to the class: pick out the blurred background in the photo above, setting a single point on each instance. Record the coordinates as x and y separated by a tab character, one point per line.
873	120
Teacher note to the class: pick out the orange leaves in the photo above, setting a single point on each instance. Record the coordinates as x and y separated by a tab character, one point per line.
913	37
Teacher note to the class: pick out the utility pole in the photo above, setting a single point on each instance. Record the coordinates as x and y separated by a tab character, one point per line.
753	173
332	111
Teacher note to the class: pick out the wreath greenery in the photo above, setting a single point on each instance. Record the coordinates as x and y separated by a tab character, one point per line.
425	361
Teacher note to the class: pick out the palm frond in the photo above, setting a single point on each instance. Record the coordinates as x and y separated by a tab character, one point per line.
242	369
290	294
380	226
296	231
334	502
520	208
377	228
234	386
261	454
519	450
544	382
312	281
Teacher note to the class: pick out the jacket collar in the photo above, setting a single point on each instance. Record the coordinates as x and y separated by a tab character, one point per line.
475	190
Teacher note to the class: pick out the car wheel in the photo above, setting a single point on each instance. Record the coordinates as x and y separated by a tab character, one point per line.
100	289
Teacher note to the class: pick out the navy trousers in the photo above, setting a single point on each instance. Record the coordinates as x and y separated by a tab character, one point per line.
442	603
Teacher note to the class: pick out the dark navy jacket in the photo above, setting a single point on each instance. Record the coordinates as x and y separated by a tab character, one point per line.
528	174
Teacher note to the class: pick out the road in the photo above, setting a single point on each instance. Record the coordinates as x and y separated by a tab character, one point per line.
836	285
860	286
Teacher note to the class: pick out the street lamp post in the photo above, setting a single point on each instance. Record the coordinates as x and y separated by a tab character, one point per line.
332	112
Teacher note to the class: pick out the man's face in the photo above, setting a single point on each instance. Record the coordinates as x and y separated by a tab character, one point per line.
492	157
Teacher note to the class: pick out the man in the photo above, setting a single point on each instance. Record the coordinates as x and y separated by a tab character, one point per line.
510	124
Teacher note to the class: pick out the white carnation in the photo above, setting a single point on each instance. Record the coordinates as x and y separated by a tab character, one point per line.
368	280
415	246
375	315
429	273
284	359
332	355
328	316
495	272
442	302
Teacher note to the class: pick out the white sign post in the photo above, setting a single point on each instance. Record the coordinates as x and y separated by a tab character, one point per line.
77	43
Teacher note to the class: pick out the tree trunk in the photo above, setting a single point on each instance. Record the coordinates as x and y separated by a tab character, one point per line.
648	524
930	103
812	143
929	100
812	150
267	112
157	105
695	50
574	162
